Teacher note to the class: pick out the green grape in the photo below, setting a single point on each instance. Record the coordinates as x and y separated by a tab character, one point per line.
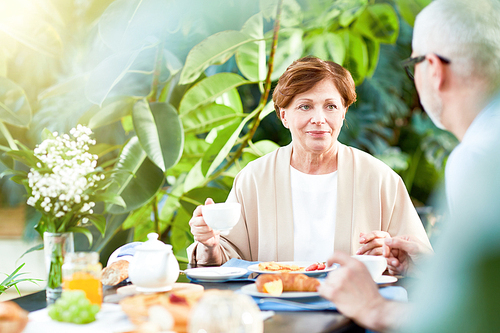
73	307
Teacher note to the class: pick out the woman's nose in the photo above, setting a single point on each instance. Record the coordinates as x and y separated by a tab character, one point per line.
317	117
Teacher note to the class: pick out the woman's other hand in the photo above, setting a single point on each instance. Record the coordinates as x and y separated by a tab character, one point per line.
202	233
373	243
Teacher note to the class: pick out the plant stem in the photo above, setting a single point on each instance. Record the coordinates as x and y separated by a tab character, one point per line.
155	214
7	136
262	102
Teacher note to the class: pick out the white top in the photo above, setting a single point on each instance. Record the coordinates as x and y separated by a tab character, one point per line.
314	200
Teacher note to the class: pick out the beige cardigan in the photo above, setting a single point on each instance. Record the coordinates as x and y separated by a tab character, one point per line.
371	196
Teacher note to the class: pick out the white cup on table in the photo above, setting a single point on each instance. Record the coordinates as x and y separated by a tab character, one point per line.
376	264
221	216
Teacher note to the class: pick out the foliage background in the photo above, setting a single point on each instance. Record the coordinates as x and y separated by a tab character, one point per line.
176	95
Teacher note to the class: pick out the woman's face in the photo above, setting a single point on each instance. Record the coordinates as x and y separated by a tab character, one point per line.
315	118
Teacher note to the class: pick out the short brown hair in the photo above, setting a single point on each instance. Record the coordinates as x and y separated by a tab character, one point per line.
305	73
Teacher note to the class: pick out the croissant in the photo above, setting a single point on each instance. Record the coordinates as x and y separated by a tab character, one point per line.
275	284
115	273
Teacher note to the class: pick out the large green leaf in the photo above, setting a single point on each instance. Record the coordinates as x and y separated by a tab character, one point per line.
291	47
36	34
335	46
208	89
251	57
208	117
214	50
354	11
14	105
221	146
112	110
357	58
160	132
197	196
379	22
126	24
137	179
113	70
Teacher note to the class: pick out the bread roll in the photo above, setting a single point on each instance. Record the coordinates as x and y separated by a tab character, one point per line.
115	273
267	283
13	318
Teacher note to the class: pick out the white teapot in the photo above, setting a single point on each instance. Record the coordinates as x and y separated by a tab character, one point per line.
154	267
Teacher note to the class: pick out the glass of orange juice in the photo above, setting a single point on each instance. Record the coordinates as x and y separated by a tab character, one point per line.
82	271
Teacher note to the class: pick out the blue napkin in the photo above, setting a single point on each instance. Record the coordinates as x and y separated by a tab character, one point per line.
239	263
395	293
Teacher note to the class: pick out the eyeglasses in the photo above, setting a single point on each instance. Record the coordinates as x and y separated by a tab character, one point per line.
409	64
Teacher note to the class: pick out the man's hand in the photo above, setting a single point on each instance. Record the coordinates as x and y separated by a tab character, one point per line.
353	290
403	254
373	243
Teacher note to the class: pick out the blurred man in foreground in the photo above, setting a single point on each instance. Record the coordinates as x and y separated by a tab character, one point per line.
456	67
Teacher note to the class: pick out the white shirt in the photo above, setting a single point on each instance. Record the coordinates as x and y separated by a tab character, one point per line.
314	200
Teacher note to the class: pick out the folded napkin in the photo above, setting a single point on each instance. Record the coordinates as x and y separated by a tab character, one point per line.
239	263
394	293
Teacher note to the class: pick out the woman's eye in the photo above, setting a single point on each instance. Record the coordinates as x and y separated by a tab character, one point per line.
304	107
331	107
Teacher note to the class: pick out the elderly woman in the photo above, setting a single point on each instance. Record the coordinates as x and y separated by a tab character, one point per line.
316	195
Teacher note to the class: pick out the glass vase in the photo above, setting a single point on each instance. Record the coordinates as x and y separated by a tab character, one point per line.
56	245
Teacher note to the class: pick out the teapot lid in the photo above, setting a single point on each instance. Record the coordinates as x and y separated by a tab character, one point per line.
153	244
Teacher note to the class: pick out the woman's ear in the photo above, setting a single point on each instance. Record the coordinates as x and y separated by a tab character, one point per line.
283	118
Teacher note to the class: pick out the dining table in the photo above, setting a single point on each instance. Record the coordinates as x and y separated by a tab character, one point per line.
289	321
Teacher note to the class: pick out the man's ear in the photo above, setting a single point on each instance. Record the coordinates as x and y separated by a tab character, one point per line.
437	71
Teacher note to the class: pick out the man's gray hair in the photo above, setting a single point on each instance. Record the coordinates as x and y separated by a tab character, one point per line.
467	32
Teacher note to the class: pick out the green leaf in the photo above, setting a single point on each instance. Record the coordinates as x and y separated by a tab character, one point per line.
15	108
291	12
126	24
378	22
208	117
32	249
357	58
137	179
349	15
373	48
290	49
232	99
214	50
197	196
160	132
25	156
109	198
408	9
221	147
36	34
85	231
113	110
208	89
269	108
336	48
251	57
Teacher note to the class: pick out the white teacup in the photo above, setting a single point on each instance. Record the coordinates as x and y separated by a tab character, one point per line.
221	216
376	264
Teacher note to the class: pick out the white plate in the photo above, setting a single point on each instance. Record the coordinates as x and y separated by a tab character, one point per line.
214	274
255	268
386	279
251	289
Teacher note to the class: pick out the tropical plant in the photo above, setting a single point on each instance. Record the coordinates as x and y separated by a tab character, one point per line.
167	89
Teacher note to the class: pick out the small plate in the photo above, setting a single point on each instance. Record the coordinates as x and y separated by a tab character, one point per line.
255	268
251	289
214	274
386	279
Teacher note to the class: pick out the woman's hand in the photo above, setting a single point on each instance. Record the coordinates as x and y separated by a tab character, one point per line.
402	254
373	243
201	231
